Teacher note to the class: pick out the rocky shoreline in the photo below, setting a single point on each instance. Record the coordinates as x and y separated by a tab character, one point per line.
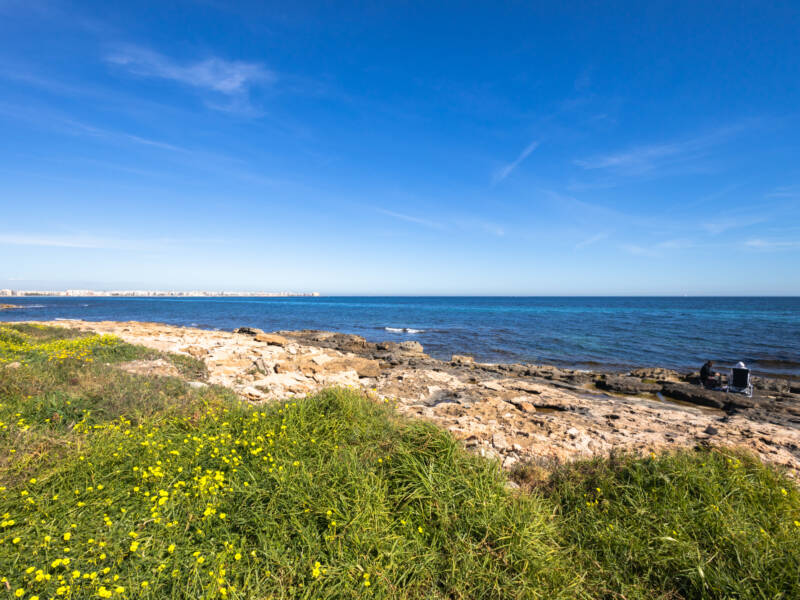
515	412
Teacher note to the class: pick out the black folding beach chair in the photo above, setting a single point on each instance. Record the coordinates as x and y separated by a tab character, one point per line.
739	382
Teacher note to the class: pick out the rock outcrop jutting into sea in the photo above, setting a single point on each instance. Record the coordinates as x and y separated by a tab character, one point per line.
516	412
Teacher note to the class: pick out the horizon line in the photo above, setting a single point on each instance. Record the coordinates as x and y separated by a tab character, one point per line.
244	294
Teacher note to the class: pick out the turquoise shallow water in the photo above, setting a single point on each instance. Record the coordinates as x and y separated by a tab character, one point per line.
592	333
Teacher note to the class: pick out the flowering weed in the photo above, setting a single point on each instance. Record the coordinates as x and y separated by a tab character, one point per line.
114	485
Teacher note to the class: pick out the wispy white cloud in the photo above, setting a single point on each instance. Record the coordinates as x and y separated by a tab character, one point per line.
642	160
453	224
599	237
717	194
658	249
594	214
410	219
54	120
505	171
480	225
676	244
122	136
786	191
228	77
722	225
205	160
589	186
762	244
491	228
231	79
637	250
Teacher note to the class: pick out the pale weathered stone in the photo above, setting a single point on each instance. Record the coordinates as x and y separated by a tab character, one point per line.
196	351
493	385
253	392
461	359
556	415
271	339
499	441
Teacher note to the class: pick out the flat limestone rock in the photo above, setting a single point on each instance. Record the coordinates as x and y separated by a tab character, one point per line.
313	365
348	378
271	339
542	412
495	385
523	403
698	395
626	385
196	351
365	367
524	386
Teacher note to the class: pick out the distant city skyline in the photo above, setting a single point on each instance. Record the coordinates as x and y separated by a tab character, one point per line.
401	149
188	293
11	293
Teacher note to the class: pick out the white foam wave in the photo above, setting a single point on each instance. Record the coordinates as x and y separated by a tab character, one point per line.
403	330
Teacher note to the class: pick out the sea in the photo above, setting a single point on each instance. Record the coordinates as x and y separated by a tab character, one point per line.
593	333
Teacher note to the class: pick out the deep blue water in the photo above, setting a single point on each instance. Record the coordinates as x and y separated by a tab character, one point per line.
595	333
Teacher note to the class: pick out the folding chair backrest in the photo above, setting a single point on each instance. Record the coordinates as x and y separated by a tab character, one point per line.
740	378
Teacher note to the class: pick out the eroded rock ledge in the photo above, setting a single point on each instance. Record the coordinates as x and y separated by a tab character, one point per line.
512	411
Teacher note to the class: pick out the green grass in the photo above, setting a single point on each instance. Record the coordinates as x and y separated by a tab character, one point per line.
33	344
689	524
144	487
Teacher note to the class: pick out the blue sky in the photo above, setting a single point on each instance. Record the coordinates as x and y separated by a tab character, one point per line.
406	148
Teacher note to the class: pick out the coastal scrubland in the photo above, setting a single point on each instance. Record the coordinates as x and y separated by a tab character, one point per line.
122	485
